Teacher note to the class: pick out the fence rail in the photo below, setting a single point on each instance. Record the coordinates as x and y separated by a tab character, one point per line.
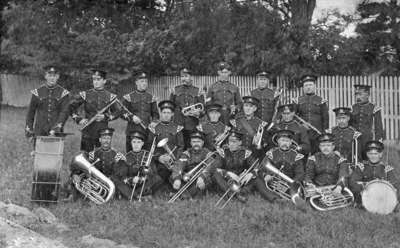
338	90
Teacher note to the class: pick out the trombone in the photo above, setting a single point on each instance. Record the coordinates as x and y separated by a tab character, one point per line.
235	186
191	176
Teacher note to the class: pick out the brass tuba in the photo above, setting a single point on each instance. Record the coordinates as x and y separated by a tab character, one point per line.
193	110
325	198
92	183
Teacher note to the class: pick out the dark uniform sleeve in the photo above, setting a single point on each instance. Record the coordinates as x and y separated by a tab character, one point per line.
30	117
379	133
179	166
179	143
124	114
343	168
391	177
121	170
73	108
310	167
114	112
63	116
356	176
325	116
238	99
299	170
304	142
154	110
215	162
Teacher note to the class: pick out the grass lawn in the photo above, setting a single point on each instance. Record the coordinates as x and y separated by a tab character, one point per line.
186	223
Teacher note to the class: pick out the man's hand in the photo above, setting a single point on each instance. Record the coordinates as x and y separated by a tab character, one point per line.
233	109
99	117
164	159
246	179
135	180
200	183
29	133
136	119
177	184
83	122
277	93
52	133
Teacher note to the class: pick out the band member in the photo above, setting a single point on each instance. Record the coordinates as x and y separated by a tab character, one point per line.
225	93
313	109
142	107
47	102
288	123
136	170
248	123
190	159
266	96
185	95
212	126
344	135
326	167
235	160
166	128
94	100
366	117
372	168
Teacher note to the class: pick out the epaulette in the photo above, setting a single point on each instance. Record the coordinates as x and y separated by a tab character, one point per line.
377	109
337	153
119	156
221	152
323	101
233	122
298	157
270	154
152	126
64	93
179	128
247	153
127	97
91	155
356	134
200	127
83	95
35	92
341	160
112	97
329	130
207	99
312	158
360	166
388	168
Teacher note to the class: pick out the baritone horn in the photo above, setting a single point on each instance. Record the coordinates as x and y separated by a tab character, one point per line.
193	110
325	198
164	144
92	183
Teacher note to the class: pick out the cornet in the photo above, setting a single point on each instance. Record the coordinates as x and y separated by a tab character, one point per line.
164	144
257	139
193	110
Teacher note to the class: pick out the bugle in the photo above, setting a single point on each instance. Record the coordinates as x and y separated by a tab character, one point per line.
99	112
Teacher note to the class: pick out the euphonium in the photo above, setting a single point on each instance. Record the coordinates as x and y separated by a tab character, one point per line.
164	144
193	110
325	198
92	183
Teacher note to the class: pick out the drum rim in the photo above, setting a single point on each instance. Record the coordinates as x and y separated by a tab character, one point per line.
380	181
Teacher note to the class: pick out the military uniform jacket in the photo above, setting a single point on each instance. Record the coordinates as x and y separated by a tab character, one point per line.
93	101
237	161
190	159
169	130
324	169
314	109
225	94
366	118
134	162
45	107
344	138
211	131
248	127
184	96
110	163
265	110
289	162
300	134
141	104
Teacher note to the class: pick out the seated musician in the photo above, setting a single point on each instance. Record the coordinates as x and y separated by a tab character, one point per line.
235	160
188	160
326	167
373	168
137	171
284	158
213	126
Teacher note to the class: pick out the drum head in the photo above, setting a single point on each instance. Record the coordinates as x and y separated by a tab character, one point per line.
379	197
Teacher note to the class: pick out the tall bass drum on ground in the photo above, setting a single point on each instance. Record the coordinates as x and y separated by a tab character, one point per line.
379	196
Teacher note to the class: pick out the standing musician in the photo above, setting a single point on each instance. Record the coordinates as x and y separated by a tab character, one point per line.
313	109
366	117
266	96
372	168
47	102
166	128
344	135
185	95
225	93
326	167
288	123
235	160
188	160
142	107
249	124
135	170
212	126
94	100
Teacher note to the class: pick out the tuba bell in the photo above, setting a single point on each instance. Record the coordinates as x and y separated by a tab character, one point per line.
92	183
193	110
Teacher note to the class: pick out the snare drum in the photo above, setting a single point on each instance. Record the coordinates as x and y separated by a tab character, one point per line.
379	196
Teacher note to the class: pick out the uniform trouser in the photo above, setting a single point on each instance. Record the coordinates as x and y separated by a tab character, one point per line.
124	190
88	143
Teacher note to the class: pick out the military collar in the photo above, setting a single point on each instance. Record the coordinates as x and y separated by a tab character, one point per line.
104	150
196	151
99	90
375	164
165	122
330	155
247	118
214	123
287	122
141	91
50	88
343	128
132	151
311	94
285	151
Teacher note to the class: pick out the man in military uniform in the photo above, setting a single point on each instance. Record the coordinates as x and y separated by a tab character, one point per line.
366	117
225	93
249	124
137	171
142	109
189	159
47	102
313	109
212	126
185	95
344	135
326	167
373	168
288	123
267	97
166	128
94	100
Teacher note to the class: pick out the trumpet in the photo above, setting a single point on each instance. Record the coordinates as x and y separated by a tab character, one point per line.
307	124
325	199
191	176
164	144
193	110
235	186
222	137
257	139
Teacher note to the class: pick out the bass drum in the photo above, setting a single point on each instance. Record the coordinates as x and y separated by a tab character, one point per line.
379	197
